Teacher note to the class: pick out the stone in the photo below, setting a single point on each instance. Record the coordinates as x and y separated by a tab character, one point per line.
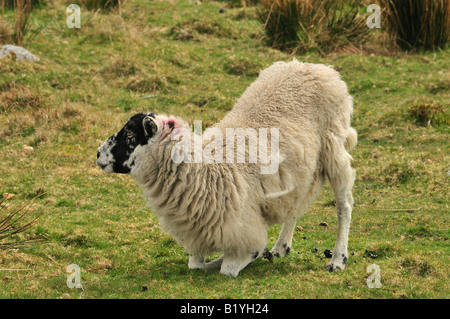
18	53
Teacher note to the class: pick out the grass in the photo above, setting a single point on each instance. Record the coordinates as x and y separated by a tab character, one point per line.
303	25
91	80
418	25
100	4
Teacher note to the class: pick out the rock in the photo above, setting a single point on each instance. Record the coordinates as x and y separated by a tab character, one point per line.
300	228
17	53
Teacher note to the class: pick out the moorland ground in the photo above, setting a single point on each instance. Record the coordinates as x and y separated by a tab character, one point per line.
191	60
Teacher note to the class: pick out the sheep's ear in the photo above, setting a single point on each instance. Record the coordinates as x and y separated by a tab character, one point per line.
150	127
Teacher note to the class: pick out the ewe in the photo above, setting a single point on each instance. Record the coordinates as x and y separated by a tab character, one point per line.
226	206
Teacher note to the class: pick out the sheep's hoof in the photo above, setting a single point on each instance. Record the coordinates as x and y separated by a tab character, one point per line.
230	273
333	266
281	251
338	262
268	255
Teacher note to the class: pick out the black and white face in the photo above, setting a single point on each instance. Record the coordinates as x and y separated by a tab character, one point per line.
118	153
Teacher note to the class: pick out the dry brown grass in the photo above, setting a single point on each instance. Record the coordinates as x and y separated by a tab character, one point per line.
19	98
427	114
120	67
418	24
16	217
307	24
148	84
5	36
22	15
22	12
102	4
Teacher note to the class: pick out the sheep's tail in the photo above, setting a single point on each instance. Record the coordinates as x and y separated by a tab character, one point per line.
351	139
350	134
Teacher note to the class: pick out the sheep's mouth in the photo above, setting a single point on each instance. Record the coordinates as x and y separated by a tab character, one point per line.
108	168
102	166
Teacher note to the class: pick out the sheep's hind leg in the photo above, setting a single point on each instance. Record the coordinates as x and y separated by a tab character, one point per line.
342	179
283	245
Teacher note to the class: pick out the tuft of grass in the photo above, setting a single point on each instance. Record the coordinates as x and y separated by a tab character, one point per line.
21	25
241	66
301	25
423	232
22	15
427	114
412	266
439	87
192	28
147	84
20	98
11	4
100	4
5	36
418	24
380	251
120	67
240	3
399	173
16	217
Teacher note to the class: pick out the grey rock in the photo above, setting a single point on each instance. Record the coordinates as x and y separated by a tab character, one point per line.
21	53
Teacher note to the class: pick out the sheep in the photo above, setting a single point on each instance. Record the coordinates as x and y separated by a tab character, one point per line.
218	206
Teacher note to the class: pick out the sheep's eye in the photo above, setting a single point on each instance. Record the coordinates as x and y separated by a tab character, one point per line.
130	135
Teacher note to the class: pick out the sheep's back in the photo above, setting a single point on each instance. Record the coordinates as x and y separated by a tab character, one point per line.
293	94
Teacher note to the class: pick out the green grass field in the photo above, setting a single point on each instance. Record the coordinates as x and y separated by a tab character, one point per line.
187	59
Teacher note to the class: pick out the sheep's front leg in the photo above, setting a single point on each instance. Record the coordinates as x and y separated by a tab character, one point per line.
283	246
196	262
232	265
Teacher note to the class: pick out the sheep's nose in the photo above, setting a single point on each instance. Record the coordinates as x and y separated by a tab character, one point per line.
98	154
